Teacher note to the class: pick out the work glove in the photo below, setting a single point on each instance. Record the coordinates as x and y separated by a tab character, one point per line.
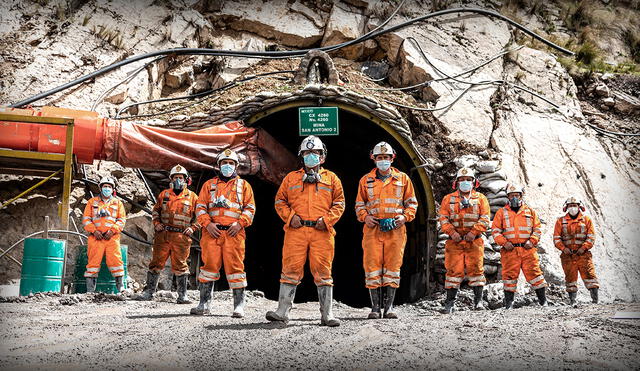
97	235
108	234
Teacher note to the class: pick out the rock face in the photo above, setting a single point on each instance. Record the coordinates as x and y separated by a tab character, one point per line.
273	20
505	133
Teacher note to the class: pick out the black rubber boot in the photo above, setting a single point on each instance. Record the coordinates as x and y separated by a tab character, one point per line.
182	283
389	296
119	284
285	302
376	298
150	289
572	298
91	284
542	296
206	289
508	299
238	303
594	295
449	303
477	298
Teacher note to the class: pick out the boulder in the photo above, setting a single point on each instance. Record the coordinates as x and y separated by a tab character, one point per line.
345	25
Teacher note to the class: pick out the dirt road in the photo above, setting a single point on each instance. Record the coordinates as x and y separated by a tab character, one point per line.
101	333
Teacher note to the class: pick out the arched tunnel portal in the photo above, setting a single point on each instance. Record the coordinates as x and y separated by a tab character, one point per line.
348	157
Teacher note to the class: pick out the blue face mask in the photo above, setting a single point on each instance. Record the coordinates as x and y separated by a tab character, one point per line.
383	165
311	160
227	170
465	186
107	192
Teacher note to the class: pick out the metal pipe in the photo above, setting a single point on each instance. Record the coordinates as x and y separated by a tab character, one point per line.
30	189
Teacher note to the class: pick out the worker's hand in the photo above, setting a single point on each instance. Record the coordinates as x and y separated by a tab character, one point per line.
469	237
566	251
234	229
528	245
400	220
159	227
370	221
97	235
188	231
508	246
107	235
320	225
213	230
456	237
581	251
296	222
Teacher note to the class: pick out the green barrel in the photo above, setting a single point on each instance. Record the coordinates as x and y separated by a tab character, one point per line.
42	263
106	282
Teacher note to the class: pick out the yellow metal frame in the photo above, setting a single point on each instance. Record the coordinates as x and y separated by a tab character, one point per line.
66	159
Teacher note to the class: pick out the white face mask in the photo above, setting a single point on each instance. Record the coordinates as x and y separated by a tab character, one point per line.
573	211
383	165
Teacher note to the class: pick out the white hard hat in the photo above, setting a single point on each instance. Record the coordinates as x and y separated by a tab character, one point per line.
178	170
573	200
383	148
312	142
228	154
515	188
465	171
107	180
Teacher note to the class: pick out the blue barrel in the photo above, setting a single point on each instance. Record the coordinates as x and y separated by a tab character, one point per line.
106	282
42	263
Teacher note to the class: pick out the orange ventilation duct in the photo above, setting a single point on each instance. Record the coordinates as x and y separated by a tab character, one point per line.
148	147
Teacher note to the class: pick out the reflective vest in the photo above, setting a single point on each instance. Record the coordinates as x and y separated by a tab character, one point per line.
574	233
516	227
226	202
455	217
175	210
386	199
103	216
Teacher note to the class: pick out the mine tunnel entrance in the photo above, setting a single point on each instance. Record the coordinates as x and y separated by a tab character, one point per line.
348	157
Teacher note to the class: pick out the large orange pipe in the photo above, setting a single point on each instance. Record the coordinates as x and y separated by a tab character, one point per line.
148	147
88	136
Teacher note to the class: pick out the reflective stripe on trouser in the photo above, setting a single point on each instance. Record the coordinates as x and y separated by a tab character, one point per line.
583	264
382	256
174	244
464	257
300	243
523	259
225	250
110	249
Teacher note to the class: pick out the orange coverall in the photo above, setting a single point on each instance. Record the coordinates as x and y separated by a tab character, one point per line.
575	234
310	202
518	228
383	251
104	216
175	211
224	203
463	256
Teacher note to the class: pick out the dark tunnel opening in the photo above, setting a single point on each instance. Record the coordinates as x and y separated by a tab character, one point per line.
348	157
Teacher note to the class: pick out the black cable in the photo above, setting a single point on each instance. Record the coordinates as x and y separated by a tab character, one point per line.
191	96
284	54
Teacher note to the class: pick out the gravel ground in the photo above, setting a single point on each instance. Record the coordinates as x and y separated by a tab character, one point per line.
105	331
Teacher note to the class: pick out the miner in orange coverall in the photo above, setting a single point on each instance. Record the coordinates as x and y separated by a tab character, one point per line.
464	216
574	236
516	228
174	221
385	202
104	219
225	207
310	201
